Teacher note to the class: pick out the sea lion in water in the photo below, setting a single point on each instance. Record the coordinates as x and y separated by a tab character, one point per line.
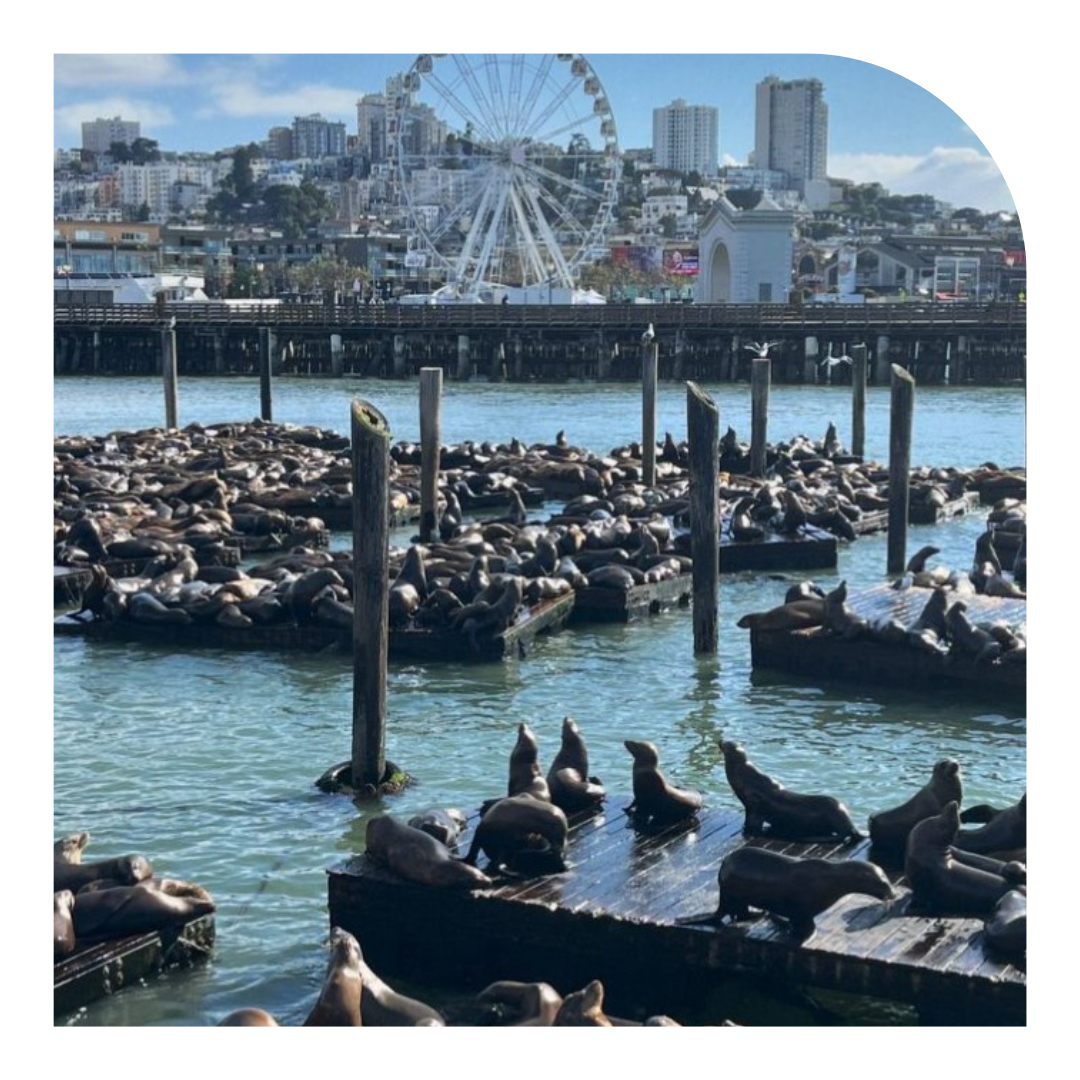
796	889
1004	835
655	800
131	909
787	813
941	881
524	834
338	1004
63	924
889	829
416	856
248	1017
530	1004
127	869
568	779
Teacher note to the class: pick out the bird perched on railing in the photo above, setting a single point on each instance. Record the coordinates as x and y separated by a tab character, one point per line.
649	336
761	348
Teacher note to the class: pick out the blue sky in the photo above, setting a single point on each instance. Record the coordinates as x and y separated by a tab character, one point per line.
882	125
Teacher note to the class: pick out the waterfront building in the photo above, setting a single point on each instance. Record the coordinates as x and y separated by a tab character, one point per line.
686	137
791	129
97	247
98	135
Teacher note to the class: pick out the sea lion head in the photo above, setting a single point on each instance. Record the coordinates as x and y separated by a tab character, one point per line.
644	754
134	868
583	1008
69	849
733	753
344	951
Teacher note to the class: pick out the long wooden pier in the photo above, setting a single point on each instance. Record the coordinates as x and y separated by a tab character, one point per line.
612	916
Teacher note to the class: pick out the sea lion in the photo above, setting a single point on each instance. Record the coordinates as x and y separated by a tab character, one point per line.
568	779
525	777
338	1004
69	849
917	563
655	800
583	1008
766	801
796	889
1004	835
130	909
127	869
447	826
943	884
167	885
248	1017
839	617
529	1004
63	924
969	639
417	856
792	615
524	834
1006	928
382	1006
889	829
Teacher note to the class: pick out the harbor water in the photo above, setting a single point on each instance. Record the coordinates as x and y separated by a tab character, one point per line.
205	761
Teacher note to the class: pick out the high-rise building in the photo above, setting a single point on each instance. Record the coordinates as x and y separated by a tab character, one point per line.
314	137
791	129
686	137
371	126
279	143
98	135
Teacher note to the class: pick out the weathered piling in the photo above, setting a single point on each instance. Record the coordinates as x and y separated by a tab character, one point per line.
901	409
650	361
703	433
760	378
168	374
430	444
371	536
266	373
858	399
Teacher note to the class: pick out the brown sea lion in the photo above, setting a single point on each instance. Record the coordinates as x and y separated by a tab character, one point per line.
568	779
248	1017
529	1004
793	615
787	813
525	776
522	834
110	913
943	884
796	889
338	1004
889	829
416	856
839	617
655	800
69	849
583	1008
128	869
446	825
63	924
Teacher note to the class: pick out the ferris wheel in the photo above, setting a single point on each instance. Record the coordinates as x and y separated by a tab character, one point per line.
506	166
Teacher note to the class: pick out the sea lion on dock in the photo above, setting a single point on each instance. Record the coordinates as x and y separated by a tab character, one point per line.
525	777
127	869
793	888
530	1004
583	1008
787	813
417	856
69	849
1004	835
1006	927
248	1017
969	639
792	615
131	909
568	780
524	834
889	829
447	826
63	924
917	563
655	800
941	882
840	618
338	1004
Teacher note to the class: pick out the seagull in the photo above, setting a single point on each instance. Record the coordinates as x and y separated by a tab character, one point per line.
761	348
649	336
832	361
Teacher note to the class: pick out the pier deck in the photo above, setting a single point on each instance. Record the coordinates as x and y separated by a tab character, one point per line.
612	917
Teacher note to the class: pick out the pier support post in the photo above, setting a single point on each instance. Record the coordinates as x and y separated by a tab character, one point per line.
760	379
266	378
650	361
733	358
703	431
168	374
517	362
960	361
810	360
603	358
371	590
901	410
858	399
679	356
462	371
76	354
219	352
430	447
881	360
399	356
95	354
337	356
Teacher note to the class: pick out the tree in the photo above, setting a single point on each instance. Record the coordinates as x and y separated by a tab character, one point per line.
145	151
120	152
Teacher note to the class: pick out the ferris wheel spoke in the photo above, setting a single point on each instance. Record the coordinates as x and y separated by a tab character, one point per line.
540	77
465	207
528	240
549	109
562	181
554	249
483	105
459	106
517	69
496	92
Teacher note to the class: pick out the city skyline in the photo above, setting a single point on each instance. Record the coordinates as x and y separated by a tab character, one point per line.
208	102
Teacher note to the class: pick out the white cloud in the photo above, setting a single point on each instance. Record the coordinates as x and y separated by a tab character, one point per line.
242	98
958	175
68	119
116	69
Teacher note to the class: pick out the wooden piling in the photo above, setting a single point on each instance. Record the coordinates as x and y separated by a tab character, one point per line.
337	356
371	535
760	378
703	433
266	348
901	410
430	445
168	374
650	361
858	399
463	357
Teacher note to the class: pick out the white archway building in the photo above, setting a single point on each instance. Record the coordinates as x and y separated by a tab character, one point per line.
745	256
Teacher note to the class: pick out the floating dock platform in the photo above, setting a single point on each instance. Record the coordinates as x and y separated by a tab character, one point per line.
594	604
810	548
102	968
612	916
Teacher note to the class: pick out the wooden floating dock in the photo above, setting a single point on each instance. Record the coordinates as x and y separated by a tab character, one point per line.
809	549
821	654
612	917
103	968
930	514
594	604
